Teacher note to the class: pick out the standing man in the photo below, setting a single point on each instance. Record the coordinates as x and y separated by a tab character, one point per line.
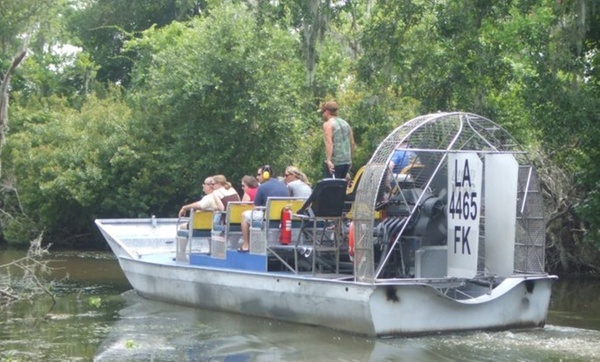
339	142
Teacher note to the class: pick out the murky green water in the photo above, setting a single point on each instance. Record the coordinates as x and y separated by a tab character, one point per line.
97	317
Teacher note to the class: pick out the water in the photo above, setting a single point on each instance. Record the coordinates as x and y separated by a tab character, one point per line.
97	317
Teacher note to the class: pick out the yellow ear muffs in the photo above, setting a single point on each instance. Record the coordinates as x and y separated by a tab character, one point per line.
266	172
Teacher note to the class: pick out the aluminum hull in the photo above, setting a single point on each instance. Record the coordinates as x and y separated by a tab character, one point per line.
390	307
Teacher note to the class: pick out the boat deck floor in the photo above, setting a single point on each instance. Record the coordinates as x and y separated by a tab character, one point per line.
169	258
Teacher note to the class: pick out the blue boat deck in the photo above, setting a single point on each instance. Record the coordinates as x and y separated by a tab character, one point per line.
237	261
233	260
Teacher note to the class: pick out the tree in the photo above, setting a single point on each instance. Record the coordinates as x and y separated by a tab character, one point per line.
4	86
221	87
102	27
20	23
216	95
520	63
68	167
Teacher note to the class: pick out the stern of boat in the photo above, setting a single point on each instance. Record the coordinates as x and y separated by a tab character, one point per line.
442	307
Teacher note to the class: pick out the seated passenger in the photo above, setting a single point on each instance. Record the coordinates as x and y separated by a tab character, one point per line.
223	192
250	186
297	182
206	203
401	158
269	187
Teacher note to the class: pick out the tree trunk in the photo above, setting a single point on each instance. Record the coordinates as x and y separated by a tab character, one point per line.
4	100
313	27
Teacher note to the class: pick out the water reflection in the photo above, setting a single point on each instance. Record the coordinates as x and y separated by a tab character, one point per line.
87	303
576	303
148	330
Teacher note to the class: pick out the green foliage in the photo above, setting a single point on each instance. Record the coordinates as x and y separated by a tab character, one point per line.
95	302
524	64
52	66
216	95
103	26
222	87
63	161
55	72
20	19
19	230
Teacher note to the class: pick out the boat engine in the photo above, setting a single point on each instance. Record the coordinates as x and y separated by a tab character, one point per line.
413	218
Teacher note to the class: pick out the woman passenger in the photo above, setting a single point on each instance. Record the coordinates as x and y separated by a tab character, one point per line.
250	186
223	192
297	182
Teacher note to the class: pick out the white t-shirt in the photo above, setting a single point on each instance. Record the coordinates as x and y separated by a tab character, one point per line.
299	189
206	203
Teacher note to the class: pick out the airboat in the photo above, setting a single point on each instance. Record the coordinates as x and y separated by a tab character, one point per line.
453	242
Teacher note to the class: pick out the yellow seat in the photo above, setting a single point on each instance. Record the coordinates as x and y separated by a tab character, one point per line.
233	220
351	196
274	207
351	188
350	214
265	236
266	231
199	226
201	222
235	210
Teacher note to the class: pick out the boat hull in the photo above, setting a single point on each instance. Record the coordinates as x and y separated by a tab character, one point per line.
404	307
372	309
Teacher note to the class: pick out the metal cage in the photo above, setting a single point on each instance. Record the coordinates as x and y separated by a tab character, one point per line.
433	137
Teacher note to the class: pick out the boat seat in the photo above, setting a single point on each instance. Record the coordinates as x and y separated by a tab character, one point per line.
267	231
201	224
351	189
199	228
322	222
272	212
350	213
233	221
274	208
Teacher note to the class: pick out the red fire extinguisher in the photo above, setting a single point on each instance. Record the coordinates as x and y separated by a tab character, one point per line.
286	226
351	240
